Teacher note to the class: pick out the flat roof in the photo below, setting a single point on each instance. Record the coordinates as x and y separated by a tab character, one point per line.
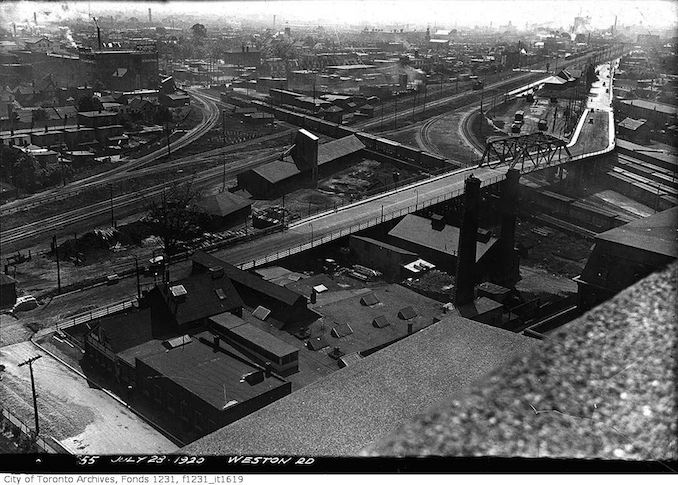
656	234
215	377
358	405
382	244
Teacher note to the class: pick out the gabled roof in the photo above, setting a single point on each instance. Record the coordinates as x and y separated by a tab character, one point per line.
418	230
277	171
327	152
631	124
248	280
203	297
222	204
655	234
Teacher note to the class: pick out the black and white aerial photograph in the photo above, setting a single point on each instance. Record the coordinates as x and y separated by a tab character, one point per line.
338	236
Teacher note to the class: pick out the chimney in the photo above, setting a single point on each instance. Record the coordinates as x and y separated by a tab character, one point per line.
35	18
268	369
215	342
437	222
248	48
150	19
313	295
243	47
409	328
466	252
509	210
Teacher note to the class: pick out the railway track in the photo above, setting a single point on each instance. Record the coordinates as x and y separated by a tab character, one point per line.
120	171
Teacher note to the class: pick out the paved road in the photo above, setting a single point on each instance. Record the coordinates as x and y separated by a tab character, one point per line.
84	419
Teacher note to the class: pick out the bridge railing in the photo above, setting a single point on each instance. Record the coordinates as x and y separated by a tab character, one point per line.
359	226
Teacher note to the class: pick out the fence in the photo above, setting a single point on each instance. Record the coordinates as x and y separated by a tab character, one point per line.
94	314
28	432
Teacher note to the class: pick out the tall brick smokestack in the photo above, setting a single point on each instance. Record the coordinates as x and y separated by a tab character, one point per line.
507	241
468	236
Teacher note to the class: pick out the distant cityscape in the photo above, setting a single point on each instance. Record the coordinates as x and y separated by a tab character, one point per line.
262	234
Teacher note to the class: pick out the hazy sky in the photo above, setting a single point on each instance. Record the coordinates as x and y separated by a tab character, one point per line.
659	13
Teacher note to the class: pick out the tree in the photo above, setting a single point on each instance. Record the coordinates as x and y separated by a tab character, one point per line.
173	217
199	31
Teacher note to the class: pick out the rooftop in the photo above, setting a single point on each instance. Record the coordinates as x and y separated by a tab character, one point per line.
418	230
327	152
604	386
277	171
203	297
247	279
215	377
223	204
657	233
361	403
632	124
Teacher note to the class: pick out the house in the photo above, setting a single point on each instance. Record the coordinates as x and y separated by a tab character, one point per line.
285	305
636	131
223	210
174	100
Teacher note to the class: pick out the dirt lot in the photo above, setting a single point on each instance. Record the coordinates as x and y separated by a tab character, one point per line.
347	185
558	253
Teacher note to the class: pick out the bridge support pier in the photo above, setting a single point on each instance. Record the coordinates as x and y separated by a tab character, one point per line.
468	237
509	263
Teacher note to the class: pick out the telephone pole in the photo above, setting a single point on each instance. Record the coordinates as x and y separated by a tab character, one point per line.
29	362
56	254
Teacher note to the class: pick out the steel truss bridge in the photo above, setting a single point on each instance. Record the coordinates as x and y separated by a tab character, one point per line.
526	152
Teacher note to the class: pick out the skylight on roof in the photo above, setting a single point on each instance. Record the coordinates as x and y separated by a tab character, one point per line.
178	290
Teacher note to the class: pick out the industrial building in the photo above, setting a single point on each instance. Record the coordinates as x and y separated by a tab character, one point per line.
304	163
437	242
626	254
222	210
121	70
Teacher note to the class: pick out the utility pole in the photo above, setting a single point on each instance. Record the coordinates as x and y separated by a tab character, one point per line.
136	268
29	362
223	175
395	112
56	253
112	214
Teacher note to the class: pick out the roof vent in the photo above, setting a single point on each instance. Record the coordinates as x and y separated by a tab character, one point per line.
216	272
254	378
341	330
380	322
407	313
369	300
261	313
437	222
